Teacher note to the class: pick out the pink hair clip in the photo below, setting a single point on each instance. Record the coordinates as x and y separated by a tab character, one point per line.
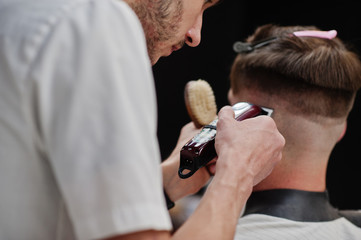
314	33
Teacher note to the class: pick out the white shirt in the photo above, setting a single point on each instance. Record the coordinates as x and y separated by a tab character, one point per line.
264	227
79	156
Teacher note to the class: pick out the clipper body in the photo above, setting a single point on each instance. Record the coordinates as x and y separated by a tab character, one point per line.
197	152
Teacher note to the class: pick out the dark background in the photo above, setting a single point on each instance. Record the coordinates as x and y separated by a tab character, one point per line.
234	20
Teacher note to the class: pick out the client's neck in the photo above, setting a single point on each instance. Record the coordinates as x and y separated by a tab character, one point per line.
307	178
305	156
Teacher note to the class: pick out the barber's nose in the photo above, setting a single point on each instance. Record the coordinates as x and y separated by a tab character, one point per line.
193	36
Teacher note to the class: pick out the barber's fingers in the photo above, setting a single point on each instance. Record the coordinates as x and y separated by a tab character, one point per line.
211	166
254	144
226	114
268	168
272	143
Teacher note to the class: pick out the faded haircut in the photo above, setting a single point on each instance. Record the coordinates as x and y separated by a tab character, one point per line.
315	76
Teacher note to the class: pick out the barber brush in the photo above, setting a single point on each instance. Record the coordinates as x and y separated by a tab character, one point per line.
200	102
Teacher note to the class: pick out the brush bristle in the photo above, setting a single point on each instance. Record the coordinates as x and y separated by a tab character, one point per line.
200	101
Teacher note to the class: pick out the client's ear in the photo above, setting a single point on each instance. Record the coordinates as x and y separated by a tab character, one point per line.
231	97
343	132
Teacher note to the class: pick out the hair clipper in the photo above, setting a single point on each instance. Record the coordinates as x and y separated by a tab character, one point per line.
197	152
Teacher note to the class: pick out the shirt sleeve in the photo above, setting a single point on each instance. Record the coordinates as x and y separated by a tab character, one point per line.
96	106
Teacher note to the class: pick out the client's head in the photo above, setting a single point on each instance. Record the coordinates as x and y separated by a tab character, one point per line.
309	77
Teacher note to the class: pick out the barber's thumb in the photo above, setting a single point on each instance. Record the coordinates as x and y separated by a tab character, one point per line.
226	112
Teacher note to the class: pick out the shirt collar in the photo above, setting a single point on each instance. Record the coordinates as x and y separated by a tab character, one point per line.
292	204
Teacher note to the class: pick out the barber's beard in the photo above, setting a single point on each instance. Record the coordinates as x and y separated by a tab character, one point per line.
160	20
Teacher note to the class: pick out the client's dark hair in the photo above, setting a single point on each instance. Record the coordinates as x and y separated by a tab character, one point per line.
316	76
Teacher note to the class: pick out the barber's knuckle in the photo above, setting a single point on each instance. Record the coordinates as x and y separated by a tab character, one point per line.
269	122
283	141
222	122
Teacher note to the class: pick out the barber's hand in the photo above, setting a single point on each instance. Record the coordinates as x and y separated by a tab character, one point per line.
176	187
251	147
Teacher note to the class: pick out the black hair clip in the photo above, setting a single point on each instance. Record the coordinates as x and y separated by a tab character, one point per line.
242	47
